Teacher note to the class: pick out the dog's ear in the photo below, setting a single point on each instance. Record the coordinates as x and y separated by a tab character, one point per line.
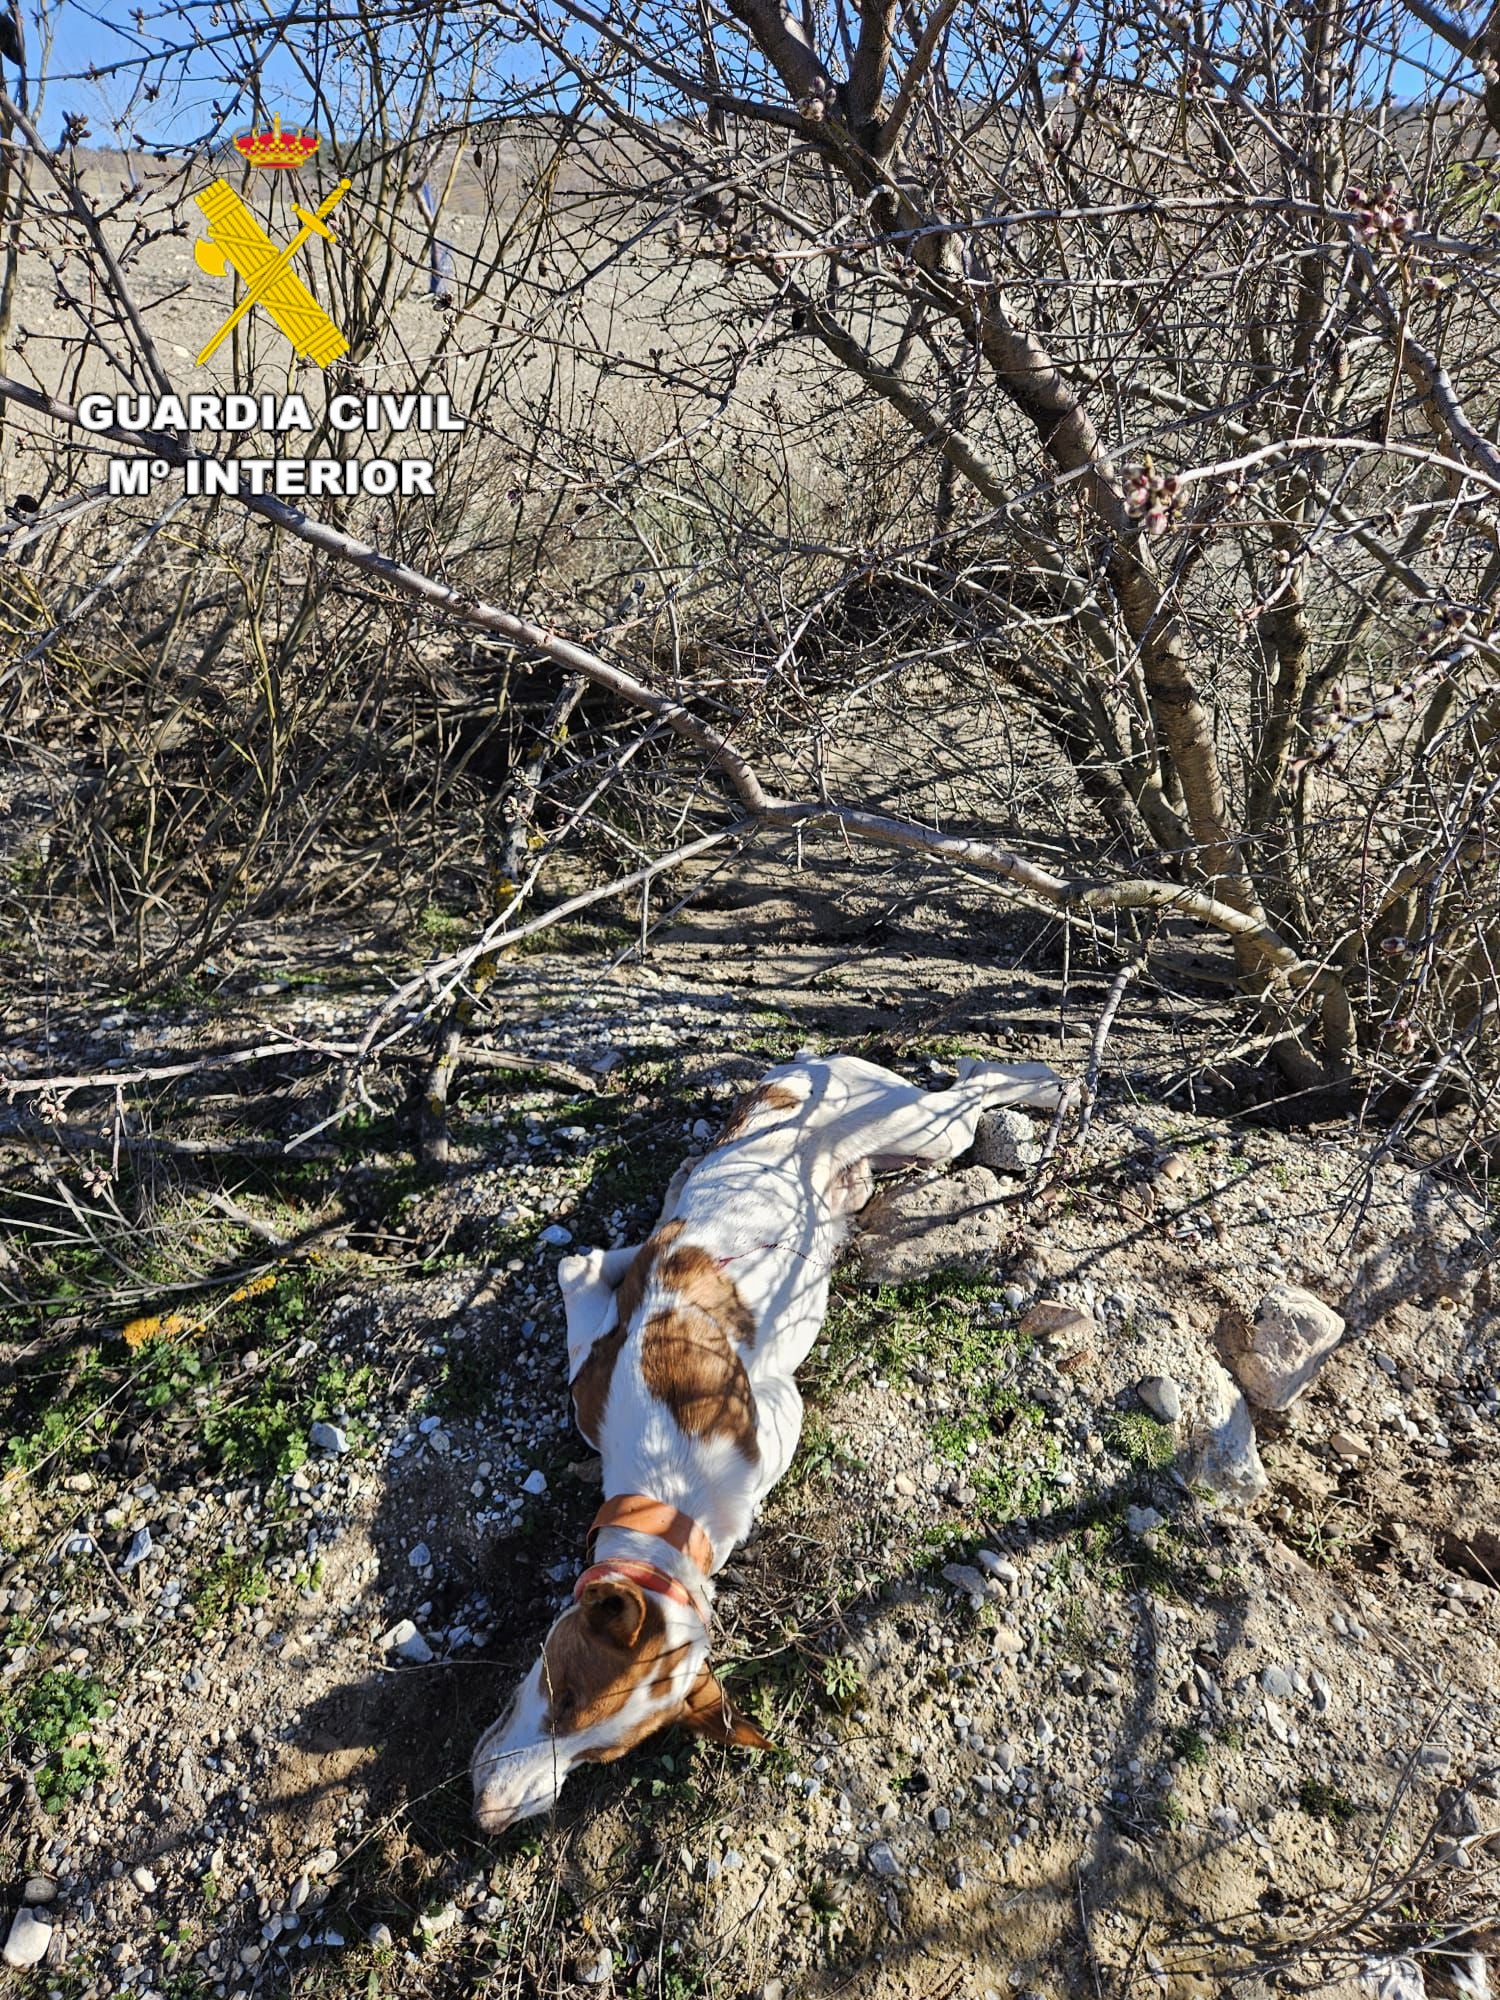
709	1712
615	1610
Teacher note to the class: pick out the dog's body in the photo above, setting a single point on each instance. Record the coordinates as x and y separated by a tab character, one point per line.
682	1353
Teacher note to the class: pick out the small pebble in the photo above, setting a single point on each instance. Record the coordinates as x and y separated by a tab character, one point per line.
140	1547
996	1566
1162	1397
407	1643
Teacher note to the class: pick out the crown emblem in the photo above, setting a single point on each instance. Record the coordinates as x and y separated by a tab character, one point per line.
277	148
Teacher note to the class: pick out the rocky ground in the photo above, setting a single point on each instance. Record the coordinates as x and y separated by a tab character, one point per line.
1087	1674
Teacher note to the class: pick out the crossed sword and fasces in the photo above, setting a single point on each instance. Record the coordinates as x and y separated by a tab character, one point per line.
273	285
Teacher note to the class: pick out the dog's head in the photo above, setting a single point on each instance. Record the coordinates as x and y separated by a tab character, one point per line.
622	1663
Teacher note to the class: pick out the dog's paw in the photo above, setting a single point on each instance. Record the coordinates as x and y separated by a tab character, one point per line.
577	1269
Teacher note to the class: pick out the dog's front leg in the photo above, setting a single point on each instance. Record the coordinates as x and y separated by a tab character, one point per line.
778	1427
673	1194
587	1282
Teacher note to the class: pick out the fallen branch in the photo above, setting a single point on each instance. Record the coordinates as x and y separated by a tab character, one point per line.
561	1073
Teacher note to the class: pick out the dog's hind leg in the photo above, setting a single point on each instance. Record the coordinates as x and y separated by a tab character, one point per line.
587	1282
911	1124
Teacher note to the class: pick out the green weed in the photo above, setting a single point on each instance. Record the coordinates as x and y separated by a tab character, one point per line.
267	1432
843	1684
52	1718
230	1579
944	1539
1143	1441
1324	1801
1188	1745
820	1454
64	1432
437	926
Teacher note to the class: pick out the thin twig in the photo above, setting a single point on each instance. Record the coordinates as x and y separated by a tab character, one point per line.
1102	1027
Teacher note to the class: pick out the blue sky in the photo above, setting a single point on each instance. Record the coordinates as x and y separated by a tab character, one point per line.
101	34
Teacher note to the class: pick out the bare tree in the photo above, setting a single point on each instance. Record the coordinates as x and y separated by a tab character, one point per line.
1140	384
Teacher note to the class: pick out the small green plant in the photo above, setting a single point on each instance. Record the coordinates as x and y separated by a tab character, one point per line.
230	1579
820	1455
52	1718
1143	1441
944	1539
1324	1801
778	1038
1187	1744
670	1774
60	1433
952	1437
170	1373
438	926
266	1433
843	1684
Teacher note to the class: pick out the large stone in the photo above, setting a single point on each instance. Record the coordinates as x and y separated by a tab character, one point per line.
1059	1324
1007	1141
1161	1396
1292	1335
1222	1452
28	1939
957	1222
407	1643
1474	1548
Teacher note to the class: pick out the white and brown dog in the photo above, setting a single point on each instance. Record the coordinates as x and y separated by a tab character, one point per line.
682	1353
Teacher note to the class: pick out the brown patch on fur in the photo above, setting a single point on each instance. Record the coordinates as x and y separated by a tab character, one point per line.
689	1354
598	1655
632	1287
700	1280
591	1383
688	1363
766	1097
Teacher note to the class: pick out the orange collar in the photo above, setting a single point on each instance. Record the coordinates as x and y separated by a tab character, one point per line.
647	1575
645	1516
